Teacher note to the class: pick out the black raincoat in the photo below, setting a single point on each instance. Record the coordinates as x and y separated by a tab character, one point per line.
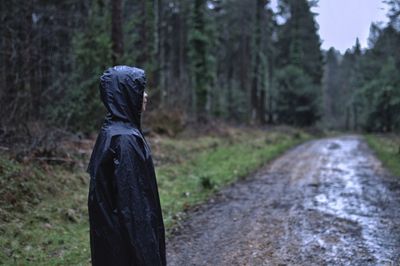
126	224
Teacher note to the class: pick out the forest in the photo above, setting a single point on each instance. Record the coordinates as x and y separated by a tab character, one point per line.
227	59
242	98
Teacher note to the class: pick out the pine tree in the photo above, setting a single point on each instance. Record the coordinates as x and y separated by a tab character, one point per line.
117	36
199	53
81	108
380	95
299	54
349	82
298	40
331	100
394	13
257	85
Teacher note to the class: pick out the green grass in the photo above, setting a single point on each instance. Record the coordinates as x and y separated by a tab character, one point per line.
49	226
187	184
387	148
53	233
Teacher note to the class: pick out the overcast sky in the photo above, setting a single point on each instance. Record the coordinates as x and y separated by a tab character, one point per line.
342	21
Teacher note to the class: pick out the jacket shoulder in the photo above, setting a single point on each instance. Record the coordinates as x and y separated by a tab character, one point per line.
128	144
126	138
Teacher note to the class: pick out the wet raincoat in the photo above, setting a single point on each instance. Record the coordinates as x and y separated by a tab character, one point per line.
126	224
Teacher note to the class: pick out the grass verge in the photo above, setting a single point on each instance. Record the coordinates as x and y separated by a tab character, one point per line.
226	160
387	149
44	216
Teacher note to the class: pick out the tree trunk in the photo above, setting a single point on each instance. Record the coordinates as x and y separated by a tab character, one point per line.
355	117
257	100
200	61
117	36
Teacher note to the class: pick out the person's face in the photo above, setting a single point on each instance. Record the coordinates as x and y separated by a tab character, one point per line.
144	101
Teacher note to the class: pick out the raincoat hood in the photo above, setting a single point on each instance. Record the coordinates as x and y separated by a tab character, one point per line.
121	91
125	217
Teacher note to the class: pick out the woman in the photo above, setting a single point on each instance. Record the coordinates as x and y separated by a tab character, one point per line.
126	224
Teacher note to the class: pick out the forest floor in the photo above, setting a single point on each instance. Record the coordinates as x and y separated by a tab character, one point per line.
326	202
43	194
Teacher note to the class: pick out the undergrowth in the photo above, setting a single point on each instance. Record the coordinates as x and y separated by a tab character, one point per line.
387	148
43	207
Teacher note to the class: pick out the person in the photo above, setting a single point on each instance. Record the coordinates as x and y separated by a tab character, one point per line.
125	217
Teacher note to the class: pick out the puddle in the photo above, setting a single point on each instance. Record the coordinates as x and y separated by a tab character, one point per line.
342	196
322	203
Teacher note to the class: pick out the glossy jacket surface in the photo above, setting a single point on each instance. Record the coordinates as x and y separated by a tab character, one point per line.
126	224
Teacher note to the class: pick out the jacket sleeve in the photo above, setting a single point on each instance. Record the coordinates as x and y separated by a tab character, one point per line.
134	211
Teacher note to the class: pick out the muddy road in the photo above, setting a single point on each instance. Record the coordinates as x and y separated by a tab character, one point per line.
326	202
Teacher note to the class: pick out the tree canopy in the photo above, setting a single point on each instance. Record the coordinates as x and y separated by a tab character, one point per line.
237	60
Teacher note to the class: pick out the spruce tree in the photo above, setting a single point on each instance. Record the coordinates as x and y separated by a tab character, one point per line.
200	58
331	90
299	54
380	93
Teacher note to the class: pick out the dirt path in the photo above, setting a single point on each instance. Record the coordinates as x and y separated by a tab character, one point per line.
326	202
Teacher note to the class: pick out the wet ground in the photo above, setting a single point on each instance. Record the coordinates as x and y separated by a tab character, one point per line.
326	202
